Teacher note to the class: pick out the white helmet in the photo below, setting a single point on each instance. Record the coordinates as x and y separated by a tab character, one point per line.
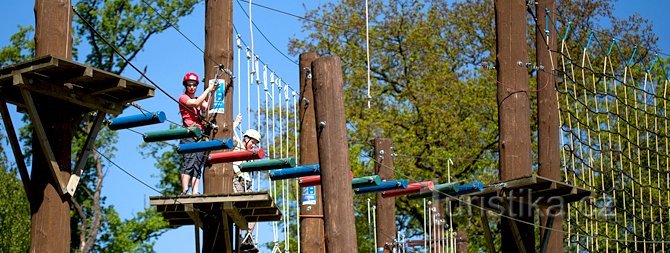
252	133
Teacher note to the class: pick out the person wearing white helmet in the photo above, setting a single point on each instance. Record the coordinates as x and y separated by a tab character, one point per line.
242	181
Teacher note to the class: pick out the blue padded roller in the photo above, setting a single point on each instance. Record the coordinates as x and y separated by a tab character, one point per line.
137	120
193	147
469	188
383	186
300	171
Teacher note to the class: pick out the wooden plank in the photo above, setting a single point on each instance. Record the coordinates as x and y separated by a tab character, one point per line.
209	199
43	139
16	148
120	85
235	215
260	212
84	153
487	231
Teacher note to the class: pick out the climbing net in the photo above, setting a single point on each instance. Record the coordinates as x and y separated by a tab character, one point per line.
613	107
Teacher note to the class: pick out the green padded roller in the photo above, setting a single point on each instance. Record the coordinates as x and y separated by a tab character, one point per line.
440	190
269	164
172	134
365	181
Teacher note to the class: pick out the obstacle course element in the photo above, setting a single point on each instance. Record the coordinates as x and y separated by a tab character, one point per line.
309	181
314	180
383	186
193	147
137	120
172	134
366	181
469	188
441	190
270	164
418	187
300	171
234	156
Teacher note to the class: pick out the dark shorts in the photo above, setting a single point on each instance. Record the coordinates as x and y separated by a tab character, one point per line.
192	163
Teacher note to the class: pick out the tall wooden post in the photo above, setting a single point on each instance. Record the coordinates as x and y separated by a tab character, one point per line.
513	114
50	212
218	178
340	232
461	242
311	204
547	113
386	231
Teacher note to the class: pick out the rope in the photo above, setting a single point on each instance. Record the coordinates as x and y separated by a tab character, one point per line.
367	50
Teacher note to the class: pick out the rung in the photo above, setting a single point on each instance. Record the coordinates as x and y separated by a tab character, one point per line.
137	120
201	146
301	171
418	187
440	190
235	156
365	181
172	134
383	186
270	164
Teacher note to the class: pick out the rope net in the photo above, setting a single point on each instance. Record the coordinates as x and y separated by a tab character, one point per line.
613	107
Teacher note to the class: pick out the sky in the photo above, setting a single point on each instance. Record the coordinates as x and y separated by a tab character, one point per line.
169	56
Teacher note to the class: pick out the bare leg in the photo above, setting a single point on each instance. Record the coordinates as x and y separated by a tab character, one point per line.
184	182
194	184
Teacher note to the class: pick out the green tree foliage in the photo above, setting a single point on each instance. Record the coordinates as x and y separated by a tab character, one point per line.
14	207
430	93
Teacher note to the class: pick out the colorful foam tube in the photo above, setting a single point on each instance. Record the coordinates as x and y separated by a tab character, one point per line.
383	186
365	181
234	156
469	188
137	120
314	180
172	134
300	171
270	164
418	187
440	190
193	147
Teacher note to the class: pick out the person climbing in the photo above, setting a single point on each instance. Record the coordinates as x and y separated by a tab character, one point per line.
242	182
191	109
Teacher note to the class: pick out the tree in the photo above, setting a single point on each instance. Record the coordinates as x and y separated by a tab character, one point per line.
127	25
431	90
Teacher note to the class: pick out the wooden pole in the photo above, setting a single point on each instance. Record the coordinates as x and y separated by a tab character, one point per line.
311	204
386	230
340	231
547	112
462	242
218	178
50	211
513	112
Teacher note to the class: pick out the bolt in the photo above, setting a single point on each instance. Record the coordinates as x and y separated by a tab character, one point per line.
322	124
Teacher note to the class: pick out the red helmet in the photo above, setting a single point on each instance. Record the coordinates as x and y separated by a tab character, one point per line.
190	76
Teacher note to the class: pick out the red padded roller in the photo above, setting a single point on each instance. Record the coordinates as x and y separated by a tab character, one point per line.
314	180
411	189
237	155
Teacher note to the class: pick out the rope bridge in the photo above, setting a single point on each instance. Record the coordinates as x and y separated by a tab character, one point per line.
614	134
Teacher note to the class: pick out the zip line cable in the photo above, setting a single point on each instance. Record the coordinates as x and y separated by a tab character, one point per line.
133	65
261	32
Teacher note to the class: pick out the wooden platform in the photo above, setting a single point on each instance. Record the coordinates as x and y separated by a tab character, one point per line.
242	208
72	82
543	192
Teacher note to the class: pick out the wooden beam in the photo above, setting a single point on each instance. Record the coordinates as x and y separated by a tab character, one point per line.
120	85
385	218
194	214
234	213
547	232
83	154
72	96
487	231
520	247
43	139
311	229
16	148
197	239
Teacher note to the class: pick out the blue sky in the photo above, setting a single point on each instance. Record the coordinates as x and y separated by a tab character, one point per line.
168	56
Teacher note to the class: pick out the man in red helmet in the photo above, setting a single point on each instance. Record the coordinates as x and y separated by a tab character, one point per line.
191	109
